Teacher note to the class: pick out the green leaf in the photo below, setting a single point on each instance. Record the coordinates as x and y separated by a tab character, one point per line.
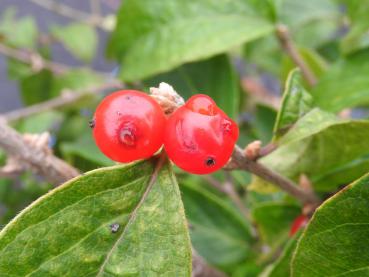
117	221
311	23
313	60
36	88
42	122
82	150
345	84
357	38
74	80
20	33
173	32
336	240
318	145
274	220
296	102
215	77
281	267
264	118
217	232
80	39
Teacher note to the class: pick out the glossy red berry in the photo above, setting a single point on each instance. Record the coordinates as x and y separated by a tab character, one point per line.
200	137
128	125
300	222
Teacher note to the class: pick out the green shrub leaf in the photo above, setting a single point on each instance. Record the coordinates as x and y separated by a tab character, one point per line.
314	147
80	39
345	84
215	77
296	102
117	221
336	241
218	233
155	36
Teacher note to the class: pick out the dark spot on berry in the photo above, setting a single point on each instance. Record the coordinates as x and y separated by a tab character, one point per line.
210	161
128	97
92	123
127	134
114	227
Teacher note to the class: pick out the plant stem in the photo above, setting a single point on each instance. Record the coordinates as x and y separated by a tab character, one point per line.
46	164
66	97
239	161
35	60
67	11
291	50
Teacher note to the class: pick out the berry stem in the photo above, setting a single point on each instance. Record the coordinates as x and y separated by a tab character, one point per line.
239	161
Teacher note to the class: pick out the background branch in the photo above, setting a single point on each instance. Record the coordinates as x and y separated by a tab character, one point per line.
70	12
41	162
291	50
239	161
66	97
34	59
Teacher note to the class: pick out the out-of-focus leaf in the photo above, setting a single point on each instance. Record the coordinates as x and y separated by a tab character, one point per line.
37	87
214	77
318	145
311	23
264	119
296	102
274	220
217	232
345	84
84	149
18	70
282	266
80	39
336	240
314	61
358	36
173	32
18	32
74	80
117	221
256	52
42	122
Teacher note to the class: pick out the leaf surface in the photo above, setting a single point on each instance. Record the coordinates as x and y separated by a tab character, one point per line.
215	77
336	240
117	221
218	233
172	32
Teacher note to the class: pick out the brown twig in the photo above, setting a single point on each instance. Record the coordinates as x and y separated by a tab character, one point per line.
34	59
67	11
41	162
67	97
289	47
239	161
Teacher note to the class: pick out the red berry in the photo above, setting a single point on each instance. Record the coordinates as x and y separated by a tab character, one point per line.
128	125
200	137
300	222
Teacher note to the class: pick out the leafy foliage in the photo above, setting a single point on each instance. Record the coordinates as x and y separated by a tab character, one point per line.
87	225
167	33
115	221
335	243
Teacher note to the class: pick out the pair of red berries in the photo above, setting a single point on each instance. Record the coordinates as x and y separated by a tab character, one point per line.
198	137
